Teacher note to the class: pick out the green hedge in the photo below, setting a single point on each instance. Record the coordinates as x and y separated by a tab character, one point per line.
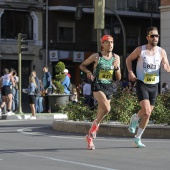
123	105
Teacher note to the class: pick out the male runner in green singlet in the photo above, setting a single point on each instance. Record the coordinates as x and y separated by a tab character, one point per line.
149	58
106	65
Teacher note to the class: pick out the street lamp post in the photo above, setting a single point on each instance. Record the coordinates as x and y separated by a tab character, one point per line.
46	50
124	41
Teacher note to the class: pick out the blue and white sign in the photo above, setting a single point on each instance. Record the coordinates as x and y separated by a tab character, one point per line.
78	56
53	55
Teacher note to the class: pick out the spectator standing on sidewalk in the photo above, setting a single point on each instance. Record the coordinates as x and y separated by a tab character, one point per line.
31	94
47	81
149	57
66	82
106	67
41	109
7	81
87	93
15	91
68	74
38	103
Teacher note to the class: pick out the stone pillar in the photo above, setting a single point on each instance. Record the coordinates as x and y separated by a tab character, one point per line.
165	36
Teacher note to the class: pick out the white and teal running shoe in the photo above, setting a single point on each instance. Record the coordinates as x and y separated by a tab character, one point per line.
137	143
133	124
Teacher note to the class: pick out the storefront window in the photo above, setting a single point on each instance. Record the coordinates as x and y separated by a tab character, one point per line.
66	31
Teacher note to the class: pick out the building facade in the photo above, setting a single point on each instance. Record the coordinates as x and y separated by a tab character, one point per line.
26	17
72	37
165	36
59	31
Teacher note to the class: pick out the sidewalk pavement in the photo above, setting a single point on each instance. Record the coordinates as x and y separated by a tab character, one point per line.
26	114
112	129
57	116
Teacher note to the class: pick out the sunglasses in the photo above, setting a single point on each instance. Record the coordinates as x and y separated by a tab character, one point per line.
153	35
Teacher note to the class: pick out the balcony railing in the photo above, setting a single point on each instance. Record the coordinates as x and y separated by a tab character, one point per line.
29	1
144	6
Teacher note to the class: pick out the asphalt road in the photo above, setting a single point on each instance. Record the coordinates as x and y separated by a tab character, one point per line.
34	145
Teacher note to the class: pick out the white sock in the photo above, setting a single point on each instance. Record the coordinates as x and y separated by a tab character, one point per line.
139	133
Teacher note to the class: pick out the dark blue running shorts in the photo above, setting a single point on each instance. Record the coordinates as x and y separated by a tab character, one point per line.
146	91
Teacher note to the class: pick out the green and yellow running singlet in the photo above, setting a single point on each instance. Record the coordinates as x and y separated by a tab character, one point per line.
104	70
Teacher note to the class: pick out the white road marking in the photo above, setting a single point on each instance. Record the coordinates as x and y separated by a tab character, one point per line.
66	161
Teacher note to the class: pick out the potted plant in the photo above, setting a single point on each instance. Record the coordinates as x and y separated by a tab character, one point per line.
58	99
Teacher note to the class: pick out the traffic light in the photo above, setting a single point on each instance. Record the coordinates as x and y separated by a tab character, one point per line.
22	41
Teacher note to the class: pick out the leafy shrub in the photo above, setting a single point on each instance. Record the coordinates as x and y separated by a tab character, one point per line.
160	114
123	105
59	77
79	112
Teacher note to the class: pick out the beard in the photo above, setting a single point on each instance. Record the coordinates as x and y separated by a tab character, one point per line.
153	44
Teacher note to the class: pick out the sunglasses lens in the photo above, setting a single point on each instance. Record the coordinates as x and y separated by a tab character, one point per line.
153	35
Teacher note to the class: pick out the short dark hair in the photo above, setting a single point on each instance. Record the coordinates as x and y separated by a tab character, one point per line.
151	29
14	73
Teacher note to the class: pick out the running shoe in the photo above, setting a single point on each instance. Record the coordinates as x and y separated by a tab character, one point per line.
93	129
90	145
133	124
32	118
10	113
137	143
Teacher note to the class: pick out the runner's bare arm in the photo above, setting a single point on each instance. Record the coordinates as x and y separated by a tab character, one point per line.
83	66
88	61
116	65
134	55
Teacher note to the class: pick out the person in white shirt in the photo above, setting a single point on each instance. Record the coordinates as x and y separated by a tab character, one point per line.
87	92
150	57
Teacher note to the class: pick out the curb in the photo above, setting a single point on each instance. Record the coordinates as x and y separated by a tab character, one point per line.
60	116
118	130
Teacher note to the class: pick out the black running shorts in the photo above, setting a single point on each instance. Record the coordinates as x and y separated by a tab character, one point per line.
146	91
6	90
107	89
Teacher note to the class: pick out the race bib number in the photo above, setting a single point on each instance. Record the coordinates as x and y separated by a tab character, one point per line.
150	78
105	74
